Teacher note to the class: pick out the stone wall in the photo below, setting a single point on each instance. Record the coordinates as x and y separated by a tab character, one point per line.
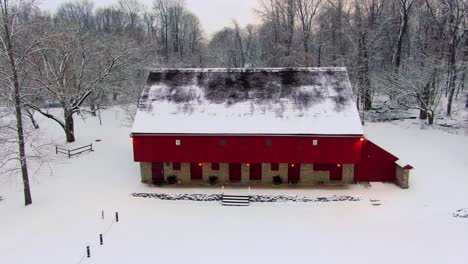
245	173
307	173
146	174
402	177
283	171
267	173
348	173
183	174
322	176
222	173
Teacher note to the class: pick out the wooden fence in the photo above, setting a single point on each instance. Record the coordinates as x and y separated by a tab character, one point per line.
72	152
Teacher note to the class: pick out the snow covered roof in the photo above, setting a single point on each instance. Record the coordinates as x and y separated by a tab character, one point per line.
291	101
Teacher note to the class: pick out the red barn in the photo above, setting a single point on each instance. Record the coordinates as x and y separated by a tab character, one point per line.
255	126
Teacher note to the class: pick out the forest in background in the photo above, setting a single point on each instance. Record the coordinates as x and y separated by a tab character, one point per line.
400	54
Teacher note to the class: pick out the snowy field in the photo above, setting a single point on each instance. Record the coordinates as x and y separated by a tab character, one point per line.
410	226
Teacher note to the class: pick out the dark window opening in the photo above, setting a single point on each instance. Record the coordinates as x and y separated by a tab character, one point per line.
214	166
274	166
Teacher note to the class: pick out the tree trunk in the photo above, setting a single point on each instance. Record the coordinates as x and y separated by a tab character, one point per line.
430	117
307	61
363	73
397	55
21	147
422	114
424	103
92	109
69	126
17	103
452	77
31	117
319	55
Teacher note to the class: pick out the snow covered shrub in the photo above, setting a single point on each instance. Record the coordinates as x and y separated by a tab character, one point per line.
213	180
277	180
172	179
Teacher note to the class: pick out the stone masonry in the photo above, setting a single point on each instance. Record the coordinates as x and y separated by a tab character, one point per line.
307	174
222	173
145	170
348	173
183	174
402	177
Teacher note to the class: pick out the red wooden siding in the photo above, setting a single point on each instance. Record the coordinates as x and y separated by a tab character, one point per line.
196	172
255	171
234	172
376	164
251	149
157	172
294	172
335	170
371	162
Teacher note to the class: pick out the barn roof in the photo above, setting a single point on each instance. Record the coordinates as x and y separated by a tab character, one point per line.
270	101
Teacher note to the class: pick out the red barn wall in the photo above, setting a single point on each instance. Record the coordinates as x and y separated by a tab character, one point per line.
253	149
376	164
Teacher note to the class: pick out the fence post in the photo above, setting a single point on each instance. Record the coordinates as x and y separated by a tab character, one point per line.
69	155
91	145
56	150
116	216
101	241
88	252
102	214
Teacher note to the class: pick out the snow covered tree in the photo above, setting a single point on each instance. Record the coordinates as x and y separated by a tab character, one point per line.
74	64
17	45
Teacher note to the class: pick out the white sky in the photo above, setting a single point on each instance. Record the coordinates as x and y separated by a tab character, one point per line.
213	14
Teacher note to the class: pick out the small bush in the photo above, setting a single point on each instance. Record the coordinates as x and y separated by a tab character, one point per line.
213	180
172	179
277	180
158	182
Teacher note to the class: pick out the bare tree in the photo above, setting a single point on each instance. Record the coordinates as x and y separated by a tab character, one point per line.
16	47
307	9
405	9
71	67
131	9
79	12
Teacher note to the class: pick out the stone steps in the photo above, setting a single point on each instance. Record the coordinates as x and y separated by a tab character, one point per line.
235	200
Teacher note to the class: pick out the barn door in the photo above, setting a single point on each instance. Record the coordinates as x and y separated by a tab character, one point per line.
196	172
157	170
294	172
234	172
255	171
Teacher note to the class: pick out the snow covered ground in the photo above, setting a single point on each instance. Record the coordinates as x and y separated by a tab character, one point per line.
410	226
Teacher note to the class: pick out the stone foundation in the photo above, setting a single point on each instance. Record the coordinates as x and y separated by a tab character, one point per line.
222	173
146	174
245	173
402	177
348	173
183	174
307	174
